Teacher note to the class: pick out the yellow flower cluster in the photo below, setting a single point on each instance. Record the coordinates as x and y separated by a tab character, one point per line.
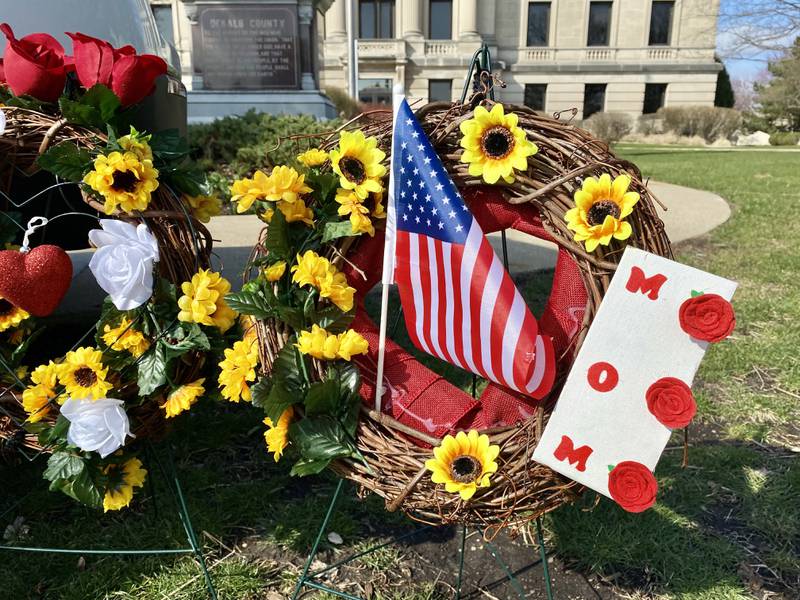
203	301
277	436
124	179
10	315
316	271
358	163
238	368
183	398
275	271
83	375
204	207
284	186
133	142
36	398
328	346
125	337
313	157
351	204
122	478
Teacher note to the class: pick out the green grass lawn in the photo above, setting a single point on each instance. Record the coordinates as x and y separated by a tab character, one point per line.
727	527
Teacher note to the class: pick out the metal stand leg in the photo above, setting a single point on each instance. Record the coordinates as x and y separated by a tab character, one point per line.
543	553
461	561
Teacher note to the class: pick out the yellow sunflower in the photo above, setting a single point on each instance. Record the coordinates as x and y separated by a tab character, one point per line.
277	436
494	146
121	479
463	463
133	142
204	207
275	271
83	375
36	398
328	346
317	271
238	368
124	180
183	398
357	162
124	337
203	301
313	157
10	315
600	207
350	204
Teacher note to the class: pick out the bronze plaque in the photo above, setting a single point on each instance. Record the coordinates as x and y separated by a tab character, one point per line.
247	47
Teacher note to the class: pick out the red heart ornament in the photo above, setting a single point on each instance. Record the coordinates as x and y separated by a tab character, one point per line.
35	281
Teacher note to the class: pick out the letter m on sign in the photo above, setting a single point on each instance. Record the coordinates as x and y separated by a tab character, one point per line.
637	282
574	456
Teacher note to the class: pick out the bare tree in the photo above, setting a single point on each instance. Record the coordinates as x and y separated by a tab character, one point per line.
752	27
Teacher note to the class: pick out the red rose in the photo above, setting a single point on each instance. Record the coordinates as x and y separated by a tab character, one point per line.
671	402
130	76
2	72
707	317
34	65
632	486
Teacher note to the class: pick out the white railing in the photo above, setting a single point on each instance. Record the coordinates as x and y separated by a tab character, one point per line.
614	54
538	54
441	48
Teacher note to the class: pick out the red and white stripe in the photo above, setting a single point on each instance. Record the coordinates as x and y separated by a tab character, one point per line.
461	306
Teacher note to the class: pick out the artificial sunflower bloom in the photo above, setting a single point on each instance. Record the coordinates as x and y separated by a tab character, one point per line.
286	184
277	436
124	337
275	271
313	157
203	301
494	146
238	368
10	315
245	191
463	463
133	142
124	180
328	346
334	287
83	375
350	204
357	162
204	207
296	211
600	207
36	398
122	478
183	398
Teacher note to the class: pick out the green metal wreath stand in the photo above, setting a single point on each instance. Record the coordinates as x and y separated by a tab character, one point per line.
166	468
479	75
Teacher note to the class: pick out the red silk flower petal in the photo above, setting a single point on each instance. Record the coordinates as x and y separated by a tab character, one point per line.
94	60
34	65
134	77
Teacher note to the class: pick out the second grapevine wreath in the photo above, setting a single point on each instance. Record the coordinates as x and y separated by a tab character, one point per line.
309	357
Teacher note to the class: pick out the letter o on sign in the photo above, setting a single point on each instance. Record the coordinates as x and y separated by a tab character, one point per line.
602	376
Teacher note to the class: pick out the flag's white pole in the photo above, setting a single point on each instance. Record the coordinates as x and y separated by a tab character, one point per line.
388	257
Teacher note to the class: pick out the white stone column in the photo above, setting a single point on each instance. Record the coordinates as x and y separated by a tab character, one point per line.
487	18
192	80
335	20
468	20
412	19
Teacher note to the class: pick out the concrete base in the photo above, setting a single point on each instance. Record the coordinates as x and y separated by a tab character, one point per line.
206	106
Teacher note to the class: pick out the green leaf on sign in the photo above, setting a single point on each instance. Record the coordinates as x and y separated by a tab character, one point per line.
66	160
695	293
277	241
337	229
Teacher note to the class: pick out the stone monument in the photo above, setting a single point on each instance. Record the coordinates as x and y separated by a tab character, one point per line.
253	54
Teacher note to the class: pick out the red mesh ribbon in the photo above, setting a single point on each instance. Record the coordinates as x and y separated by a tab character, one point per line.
424	400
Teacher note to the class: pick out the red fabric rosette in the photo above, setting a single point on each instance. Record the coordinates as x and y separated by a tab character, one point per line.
34	65
707	317
671	401
632	486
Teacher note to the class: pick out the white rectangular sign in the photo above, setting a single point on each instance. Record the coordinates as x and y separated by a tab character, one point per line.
602	417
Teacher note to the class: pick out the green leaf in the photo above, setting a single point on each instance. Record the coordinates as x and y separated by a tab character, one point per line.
81	487
80	114
322	398
337	229
104	101
184	337
323	184
332	318
292	316
169	145
152	370
66	160
277	400
254	303
321	438
63	465
260	392
305	467
54	435
286	371
695	293
277	242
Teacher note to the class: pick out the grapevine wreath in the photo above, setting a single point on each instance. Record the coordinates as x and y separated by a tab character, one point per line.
320	254
66	134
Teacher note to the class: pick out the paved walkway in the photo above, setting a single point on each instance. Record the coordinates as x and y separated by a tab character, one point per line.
689	213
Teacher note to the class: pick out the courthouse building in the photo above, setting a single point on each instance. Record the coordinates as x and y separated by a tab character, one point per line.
631	56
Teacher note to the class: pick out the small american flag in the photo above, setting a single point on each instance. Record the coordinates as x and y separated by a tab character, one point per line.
459	302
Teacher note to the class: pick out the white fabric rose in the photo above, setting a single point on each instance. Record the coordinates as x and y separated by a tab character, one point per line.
96	425
123	263
2	122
